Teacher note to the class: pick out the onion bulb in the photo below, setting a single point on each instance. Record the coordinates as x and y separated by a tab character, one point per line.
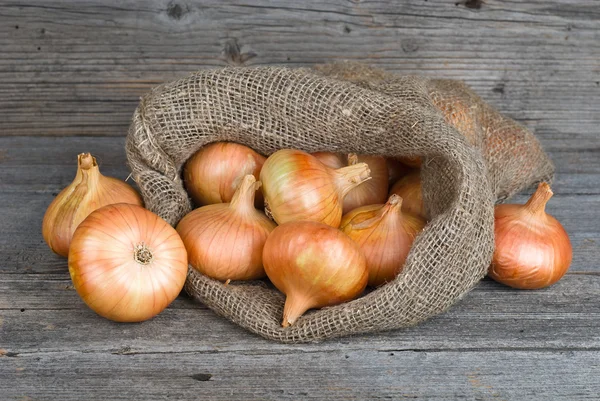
409	189
90	190
213	174
314	265
225	241
126	263
385	234
532	248
297	186
396	170
369	192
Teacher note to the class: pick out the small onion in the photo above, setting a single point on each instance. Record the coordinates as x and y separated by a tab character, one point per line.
90	190
533	249
225	240
314	265
297	186
396	170
126	263
385	234
213	174
369	192
409	189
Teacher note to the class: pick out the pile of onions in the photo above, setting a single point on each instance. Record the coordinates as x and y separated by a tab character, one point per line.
409	189
213	174
370	192
314	265
533	249
90	190
225	240
126	263
385	234
297	186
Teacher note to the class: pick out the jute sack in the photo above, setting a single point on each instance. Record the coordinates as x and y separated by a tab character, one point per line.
472	157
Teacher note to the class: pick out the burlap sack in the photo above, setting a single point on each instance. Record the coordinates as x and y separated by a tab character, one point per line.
472	156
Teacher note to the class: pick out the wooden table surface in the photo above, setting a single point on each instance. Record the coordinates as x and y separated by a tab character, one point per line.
71	74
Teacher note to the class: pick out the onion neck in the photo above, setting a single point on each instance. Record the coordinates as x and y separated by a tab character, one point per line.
243	198
352	159
349	177
391	209
294	307
88	173
537	203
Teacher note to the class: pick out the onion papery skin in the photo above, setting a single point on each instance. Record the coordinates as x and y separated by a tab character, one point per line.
314	265
532	250
126	263
410	190
90	190
297	186
225	241
373	191
385	235
213	173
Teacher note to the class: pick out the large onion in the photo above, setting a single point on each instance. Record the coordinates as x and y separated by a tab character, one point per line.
314	265
213	174
533	249
126	263
297	186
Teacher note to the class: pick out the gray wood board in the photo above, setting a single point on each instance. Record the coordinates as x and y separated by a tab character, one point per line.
80	67
43	314
333	374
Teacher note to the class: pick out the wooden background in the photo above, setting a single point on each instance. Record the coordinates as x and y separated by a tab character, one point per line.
71	73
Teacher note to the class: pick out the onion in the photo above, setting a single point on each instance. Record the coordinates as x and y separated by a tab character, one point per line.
369	192
213	174
126	263
314	265
396	170
90	190
385	234
225	240
297	186
409	189
532	248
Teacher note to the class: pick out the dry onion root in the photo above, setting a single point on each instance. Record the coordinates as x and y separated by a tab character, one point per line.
90	190
225	241
314	265
533	249
297	186
126	263
385	234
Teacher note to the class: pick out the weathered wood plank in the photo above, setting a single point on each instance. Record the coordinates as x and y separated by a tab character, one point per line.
80	67
43	314
339	374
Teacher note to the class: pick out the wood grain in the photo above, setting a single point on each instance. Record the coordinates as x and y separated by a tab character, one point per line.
71	74
338	374
78	68
43	314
